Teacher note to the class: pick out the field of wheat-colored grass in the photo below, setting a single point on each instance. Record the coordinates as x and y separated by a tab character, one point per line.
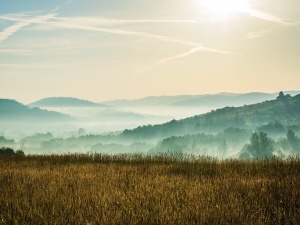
127	189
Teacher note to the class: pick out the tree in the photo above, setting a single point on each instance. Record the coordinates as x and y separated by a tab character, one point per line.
293	140
10	151
281	95
6	151
81	132
260	145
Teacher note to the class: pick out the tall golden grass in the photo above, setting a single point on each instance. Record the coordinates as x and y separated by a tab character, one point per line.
135	189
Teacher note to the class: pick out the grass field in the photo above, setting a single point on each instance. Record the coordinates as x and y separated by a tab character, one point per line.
133	189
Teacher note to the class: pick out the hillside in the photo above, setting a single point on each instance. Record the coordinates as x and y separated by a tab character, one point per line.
13	111
93	112
208	101
64	102
286	110
150	101
219	101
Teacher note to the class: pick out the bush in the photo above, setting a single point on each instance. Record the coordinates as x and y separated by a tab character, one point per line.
10	151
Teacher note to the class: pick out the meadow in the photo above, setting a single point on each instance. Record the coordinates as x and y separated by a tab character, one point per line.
137	189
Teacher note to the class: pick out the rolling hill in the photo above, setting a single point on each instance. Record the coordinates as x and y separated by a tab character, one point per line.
212	101
13	111
57	102
285	110
89	111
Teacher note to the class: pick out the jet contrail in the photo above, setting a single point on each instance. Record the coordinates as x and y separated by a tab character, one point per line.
7	32
139	34
11	30
267	17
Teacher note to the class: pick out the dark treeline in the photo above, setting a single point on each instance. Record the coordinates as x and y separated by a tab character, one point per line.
10	151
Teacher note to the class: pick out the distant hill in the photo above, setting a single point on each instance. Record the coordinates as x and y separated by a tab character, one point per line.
92	112
213	101
13	111
149	101
57	102
217	101
285	110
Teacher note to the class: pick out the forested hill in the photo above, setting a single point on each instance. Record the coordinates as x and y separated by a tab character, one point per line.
284	110
13	111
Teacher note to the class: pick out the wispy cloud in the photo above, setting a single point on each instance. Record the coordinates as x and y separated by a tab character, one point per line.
7	32
33	65
73	24
161	62
123	32
15	51
199	46
193	51
68	2
100	21
267	17
257	34
59	6
23	17
91	25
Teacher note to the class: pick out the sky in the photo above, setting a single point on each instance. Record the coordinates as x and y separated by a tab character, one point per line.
127	49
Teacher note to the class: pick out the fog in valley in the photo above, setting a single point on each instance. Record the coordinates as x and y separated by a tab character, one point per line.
154	125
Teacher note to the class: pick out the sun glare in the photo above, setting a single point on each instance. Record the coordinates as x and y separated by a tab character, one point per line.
222	9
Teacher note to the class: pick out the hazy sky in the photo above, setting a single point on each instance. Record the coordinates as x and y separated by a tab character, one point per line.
115	49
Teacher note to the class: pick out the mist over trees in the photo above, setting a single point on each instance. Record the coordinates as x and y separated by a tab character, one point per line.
260	146
294	141
252	131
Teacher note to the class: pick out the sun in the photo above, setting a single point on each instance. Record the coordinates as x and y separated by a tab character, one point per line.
222	9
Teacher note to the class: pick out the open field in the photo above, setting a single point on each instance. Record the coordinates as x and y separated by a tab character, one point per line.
126	189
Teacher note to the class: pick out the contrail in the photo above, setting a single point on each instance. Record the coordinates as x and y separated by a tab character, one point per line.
192	51
108	21
11	30
7	32
267	17
43	20
139	34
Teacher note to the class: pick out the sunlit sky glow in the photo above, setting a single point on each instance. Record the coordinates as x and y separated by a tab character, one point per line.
103	50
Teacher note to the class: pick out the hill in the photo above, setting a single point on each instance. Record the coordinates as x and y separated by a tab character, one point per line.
93	112
58	102
285	110
212	101
221	100
150	101
13	111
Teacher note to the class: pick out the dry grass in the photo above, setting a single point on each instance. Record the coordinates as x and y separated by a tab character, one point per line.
99	189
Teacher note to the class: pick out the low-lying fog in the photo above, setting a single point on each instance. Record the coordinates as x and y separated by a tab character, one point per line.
98	120
105	128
